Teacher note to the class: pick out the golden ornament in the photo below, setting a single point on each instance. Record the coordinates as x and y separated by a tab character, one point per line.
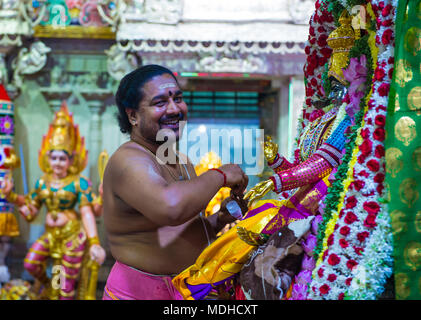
403	72
408	192
412	255
405	130
394	162
414	100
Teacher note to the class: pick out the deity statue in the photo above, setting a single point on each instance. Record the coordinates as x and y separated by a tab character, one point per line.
321	146
71	237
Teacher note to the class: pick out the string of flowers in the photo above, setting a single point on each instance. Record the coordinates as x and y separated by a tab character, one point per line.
318	53
376	260
352	266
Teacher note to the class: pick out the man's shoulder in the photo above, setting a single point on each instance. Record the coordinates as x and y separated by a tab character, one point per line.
128	155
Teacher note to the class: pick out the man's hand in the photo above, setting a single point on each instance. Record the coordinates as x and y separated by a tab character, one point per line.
237	180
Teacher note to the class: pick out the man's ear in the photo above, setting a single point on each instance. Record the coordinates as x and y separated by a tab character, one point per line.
131	115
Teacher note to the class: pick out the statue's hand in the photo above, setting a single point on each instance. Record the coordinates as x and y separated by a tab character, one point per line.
7	185
270	149
259	190
97	253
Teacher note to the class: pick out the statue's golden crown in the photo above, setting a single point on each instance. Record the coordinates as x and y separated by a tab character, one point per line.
63	135
341	40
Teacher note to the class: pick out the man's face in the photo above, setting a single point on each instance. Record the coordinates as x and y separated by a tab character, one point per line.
162	108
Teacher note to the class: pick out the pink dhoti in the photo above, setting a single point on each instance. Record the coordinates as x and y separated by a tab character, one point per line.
127	283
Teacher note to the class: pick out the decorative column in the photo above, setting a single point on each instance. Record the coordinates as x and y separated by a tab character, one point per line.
95	99
55	96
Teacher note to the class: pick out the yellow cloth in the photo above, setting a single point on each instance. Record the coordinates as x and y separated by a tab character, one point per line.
226	255
8	225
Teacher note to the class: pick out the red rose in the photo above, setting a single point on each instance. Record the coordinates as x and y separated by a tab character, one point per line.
387	23
363	173
311	31
331	277
307	50
379	151
333	259
320	272
379	134
343	243
371	207
386	11
365	133
358	184
351	202
350	218
373	165
361	236
351	264
330	240
370	221
341	296
379	178
380	188
379	74
324	289
390	73
309	91
321	29
358	250
325	254
380	120
322	40
344	230
366	147
348	281
383	89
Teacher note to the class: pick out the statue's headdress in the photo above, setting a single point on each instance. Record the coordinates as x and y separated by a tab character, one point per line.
341	40
63	135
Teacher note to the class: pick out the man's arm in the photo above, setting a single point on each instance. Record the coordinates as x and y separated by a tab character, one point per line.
137	180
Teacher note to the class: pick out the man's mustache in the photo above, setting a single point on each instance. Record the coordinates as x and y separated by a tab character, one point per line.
179	117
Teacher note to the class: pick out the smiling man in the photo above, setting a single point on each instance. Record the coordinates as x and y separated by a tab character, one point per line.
152	210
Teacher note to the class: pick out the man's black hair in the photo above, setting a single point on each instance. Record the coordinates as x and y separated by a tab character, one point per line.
130	93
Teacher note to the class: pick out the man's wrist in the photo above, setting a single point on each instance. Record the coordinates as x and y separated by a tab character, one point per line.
223	174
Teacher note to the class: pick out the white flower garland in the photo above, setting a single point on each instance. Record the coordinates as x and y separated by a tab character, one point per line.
372	262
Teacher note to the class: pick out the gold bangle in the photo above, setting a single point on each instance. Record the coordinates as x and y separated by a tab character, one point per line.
12	197
93	240
97	200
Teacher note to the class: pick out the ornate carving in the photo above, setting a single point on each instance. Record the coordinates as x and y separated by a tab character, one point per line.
120	62
163	11
111	11
29	61
249	64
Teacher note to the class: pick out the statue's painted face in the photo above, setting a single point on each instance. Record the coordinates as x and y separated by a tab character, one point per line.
337	92
59	163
